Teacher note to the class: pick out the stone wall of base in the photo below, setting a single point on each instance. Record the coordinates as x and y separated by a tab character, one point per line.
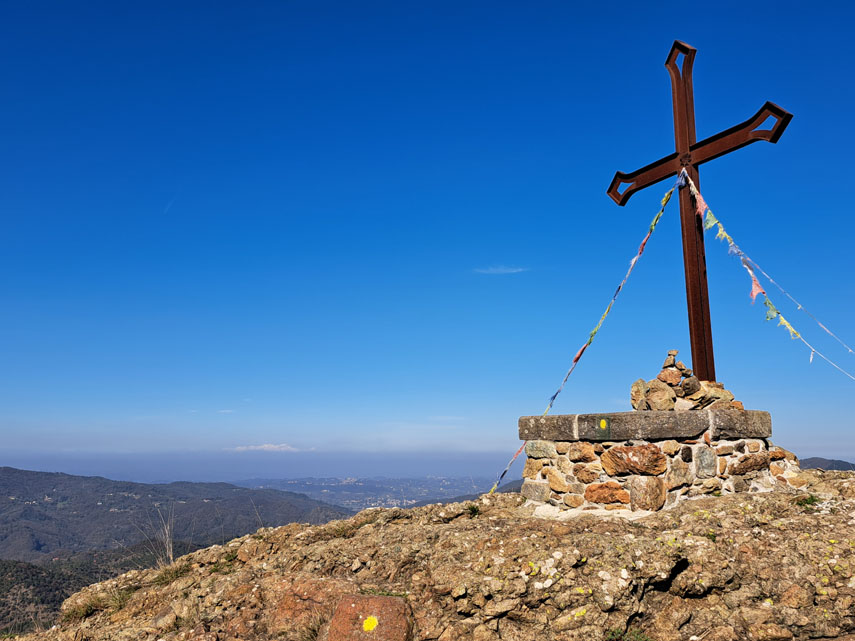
652	474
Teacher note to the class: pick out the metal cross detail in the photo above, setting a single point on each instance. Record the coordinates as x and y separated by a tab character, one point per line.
689	155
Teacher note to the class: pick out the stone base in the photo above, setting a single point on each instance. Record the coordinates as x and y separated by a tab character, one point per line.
648	460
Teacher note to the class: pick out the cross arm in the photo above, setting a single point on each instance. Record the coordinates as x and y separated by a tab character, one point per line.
644	177
708	149
742	134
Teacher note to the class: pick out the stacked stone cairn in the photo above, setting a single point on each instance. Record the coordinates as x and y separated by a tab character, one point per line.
575	463
677	388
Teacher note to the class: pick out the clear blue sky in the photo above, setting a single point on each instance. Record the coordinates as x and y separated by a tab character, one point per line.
237	224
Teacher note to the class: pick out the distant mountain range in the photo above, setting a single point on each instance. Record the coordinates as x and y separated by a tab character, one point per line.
816	462
59	533
360	493
44	515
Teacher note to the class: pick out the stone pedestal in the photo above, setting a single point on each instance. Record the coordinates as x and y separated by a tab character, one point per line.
649	460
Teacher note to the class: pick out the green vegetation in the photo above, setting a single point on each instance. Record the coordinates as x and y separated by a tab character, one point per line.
168	574
474	510
711	536
118	598
807	501
85	609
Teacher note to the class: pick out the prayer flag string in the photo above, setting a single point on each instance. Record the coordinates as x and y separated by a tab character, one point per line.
632	264
772	312
680	183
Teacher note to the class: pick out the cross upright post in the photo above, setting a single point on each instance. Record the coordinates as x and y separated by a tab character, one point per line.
688	155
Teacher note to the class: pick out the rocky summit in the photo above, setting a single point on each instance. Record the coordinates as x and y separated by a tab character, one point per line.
757	566
677	388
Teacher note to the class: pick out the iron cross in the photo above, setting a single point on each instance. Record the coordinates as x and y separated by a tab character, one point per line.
688	156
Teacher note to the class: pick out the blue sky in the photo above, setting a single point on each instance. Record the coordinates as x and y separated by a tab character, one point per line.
361	228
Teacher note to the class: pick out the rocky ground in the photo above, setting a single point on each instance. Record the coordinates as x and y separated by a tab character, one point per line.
763	567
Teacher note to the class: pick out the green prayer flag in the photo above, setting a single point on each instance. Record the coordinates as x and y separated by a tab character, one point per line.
710	221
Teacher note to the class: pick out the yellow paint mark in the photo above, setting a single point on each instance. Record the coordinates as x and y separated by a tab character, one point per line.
369	624
603	424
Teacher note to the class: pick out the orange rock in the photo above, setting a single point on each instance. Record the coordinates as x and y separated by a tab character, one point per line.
776	469
722	465
670	375
749	463
610	492
581	452
737	405
634	459
585	474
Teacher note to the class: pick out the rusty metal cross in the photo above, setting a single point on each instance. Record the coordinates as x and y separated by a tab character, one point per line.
688	156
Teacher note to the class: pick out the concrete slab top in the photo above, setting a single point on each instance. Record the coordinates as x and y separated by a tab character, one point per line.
646	425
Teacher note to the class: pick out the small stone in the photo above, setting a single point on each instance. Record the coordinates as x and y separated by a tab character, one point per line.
686	453
562	446
678	391
573	500
795	597
669	360
670	447
540	449
724	450
532	468
739	447
535	490
564	465
797	481
680	365
750	463
660	396
637	395
557	481
777	454
635	459
671	376
615	506
737	405
678	475
722	465
739	485
719	404
683	404
705	462
581	452
753	446
585	474
690	385
775	469
610	492
646	493
707	438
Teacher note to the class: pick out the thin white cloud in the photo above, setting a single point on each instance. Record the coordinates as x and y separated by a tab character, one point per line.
225	411
267	447
499	270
